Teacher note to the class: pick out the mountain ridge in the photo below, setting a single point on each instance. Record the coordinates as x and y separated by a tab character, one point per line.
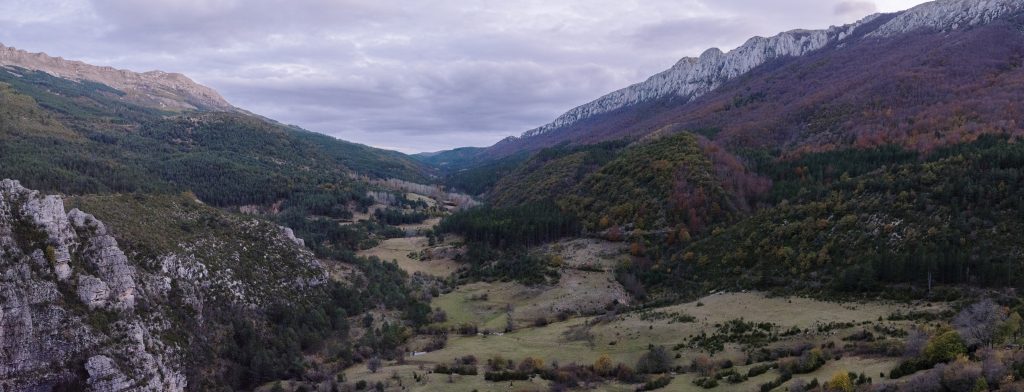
153	89
692	78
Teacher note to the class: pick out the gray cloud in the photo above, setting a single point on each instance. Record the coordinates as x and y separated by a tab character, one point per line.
408	75
852	8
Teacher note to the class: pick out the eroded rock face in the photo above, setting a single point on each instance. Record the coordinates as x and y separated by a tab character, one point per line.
78	312
691	78
948	15
105	375
67	299
156	89
102	254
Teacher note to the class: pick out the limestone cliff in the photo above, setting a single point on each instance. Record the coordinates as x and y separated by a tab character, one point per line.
77	311
691	78
156	89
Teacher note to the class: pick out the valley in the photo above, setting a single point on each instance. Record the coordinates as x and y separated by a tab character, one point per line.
576	322
836	210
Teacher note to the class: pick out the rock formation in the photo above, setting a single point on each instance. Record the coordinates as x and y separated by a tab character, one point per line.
77	312
691	78
156	89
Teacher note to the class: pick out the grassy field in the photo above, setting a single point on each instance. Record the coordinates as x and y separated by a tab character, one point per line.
626	337
588	253
571	333
486	303
399	249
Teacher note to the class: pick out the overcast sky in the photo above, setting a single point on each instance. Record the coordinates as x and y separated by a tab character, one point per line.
405	74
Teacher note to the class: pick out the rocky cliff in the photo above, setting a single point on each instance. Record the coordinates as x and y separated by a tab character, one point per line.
79	312
156	89
691	78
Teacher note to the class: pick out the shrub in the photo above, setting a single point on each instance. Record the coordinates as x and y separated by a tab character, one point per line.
540	322
961	375
603	365
625	374
758	370
465	370
706	382
498	363
840	382
506	376
907	367
655	360
944	348
531	365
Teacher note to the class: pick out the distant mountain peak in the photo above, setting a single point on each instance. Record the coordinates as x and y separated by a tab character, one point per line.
945	15
692	77
156	89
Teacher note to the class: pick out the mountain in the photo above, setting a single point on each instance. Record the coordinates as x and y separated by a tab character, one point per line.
76	297
968	49
81	136
164	293
153	89
143	238
873	155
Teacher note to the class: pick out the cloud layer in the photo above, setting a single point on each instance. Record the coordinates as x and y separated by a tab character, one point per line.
409	75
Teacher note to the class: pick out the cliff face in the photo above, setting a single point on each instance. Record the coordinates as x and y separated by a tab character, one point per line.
693	78
155	89
69	303
77	312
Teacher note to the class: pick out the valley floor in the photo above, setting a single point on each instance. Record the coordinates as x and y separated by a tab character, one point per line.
567	323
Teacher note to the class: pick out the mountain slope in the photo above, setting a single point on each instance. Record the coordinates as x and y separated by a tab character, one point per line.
154	89
78	137
984	33
82	308
954	218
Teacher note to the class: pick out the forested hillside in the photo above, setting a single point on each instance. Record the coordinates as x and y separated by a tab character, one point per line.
847	220
232	300
953	217
74	137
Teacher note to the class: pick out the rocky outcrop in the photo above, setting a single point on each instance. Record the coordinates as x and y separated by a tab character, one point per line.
948	15
156	89
67	300
102	254
105	375
79	311
691	78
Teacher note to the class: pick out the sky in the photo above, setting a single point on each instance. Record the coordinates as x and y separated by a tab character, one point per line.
409	75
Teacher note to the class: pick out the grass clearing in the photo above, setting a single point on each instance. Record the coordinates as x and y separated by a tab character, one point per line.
398	249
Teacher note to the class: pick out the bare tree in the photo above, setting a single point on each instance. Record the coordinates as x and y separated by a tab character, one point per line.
509	322
978	324
916	341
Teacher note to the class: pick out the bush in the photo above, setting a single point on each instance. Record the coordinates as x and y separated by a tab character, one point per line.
908	367
506	376
768	386
655	360
841	382
531	365
465	370
706	382
540	322
760	369
944	348
656	383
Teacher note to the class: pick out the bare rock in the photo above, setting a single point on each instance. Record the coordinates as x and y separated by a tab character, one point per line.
104	375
